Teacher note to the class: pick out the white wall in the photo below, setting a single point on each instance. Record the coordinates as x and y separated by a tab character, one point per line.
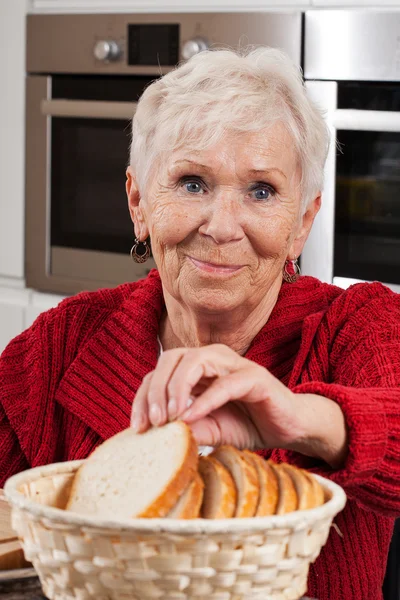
12	137
108	6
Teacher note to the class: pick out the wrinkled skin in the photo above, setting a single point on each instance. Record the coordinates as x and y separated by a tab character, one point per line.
222	222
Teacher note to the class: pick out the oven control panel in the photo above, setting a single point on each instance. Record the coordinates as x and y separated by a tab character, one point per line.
148	44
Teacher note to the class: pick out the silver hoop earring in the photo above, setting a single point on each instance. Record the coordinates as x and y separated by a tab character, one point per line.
291	277
140	251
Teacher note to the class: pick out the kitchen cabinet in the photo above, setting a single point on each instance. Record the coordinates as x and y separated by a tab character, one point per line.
12	139
355	3
18	310
106	6
39	303
13	304
76	6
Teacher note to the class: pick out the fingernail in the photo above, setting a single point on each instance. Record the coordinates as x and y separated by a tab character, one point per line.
188	410
172	409
186	414
135	424
155	414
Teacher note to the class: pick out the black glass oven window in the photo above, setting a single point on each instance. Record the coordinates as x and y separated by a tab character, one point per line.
367	215
153	44
88	203
88	159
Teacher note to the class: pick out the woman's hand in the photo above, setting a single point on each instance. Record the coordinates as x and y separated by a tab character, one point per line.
228	399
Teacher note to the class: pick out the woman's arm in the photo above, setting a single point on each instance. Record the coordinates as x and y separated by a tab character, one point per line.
361	338
328	442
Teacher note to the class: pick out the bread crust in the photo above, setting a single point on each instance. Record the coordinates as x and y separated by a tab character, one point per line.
304	488
287	492
190	501
227	505
268	485
318	491
248	487
175	487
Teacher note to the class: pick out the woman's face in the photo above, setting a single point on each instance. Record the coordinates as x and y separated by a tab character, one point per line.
222	221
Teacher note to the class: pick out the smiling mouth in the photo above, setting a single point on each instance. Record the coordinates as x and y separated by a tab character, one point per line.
213	268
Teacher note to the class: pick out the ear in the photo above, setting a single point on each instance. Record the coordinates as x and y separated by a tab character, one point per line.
135	204
304	228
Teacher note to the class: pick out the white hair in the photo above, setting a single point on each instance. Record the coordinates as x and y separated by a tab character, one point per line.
223	91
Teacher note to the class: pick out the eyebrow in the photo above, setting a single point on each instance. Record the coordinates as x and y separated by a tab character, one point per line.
191	162
267	171
253	172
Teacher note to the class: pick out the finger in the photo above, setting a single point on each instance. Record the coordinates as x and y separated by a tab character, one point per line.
241	385
201	387
199	364
139	415
226	425
162	406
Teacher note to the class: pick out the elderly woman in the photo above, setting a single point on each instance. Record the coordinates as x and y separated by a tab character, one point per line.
225	178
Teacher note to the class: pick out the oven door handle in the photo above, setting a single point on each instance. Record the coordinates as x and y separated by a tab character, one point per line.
366	120
85	109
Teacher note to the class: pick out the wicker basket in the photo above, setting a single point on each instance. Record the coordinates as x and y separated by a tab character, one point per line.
82	558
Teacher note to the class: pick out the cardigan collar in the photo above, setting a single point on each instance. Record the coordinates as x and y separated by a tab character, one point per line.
100	384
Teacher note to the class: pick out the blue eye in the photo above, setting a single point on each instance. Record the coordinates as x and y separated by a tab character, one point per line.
193	186
262	192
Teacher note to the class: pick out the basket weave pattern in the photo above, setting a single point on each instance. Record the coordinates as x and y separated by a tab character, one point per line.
192	560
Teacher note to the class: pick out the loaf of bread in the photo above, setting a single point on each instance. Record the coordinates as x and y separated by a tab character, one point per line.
159	474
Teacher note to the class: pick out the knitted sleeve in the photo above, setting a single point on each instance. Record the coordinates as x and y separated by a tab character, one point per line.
359	345
21	384
12	459
34	428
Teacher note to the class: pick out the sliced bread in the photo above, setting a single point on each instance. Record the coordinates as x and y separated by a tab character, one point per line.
268	498
136	475
244	475
318	492
189	503
287	501
304	489
220	495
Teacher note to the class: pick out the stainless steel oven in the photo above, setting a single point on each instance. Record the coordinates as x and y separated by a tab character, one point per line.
85	75
352	68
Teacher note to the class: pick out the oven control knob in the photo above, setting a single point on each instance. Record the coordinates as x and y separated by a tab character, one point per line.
107	50
194	46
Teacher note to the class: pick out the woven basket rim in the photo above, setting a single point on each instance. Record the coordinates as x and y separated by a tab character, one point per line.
295	520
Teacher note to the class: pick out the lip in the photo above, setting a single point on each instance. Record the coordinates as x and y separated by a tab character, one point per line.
214	268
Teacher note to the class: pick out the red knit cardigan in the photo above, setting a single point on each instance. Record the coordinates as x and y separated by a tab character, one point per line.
68	383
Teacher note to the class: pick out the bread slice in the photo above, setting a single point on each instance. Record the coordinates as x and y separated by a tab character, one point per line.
318	491
245	477
189	503
268	483
136	475
304	488
220	495
287	492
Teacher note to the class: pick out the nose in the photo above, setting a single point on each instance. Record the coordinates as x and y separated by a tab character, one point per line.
223	220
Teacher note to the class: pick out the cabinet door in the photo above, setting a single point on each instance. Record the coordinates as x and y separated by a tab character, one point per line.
118	6
40	303
12	128
13	304
355	3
